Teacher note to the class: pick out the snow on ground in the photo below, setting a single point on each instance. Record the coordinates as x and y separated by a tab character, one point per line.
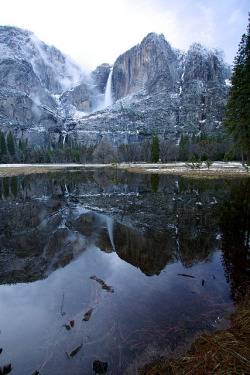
221	167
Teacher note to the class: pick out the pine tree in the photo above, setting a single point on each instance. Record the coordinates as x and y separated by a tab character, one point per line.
237	123
3	149
184	148
11	144
155	150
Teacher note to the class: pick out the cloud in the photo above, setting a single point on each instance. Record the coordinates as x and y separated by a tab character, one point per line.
97	31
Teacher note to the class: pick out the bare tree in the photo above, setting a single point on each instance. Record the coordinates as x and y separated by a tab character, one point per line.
168	151
104	153
129	152
146	151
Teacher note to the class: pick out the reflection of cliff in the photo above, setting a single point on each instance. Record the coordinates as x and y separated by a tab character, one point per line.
144	251
58	214
34	241
178	239
234	222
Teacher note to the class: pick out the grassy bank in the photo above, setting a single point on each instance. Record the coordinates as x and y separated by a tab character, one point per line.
222	352
22	169
216	170
15	171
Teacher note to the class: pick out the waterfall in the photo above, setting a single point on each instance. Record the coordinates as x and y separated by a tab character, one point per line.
64	135
108	96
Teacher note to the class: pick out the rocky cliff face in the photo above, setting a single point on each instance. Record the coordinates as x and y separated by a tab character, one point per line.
152	63
100	76
31	74
156	90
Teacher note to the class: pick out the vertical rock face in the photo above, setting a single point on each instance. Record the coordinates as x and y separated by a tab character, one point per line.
79	97
150	65
100	76
156	90
19	75
203	88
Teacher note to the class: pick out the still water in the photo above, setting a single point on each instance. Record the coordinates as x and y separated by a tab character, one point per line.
102	265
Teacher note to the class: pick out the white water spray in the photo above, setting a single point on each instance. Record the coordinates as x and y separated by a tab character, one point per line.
108	96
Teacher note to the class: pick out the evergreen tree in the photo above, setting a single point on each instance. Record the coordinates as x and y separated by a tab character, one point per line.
11	144
155	150
184	148
3	149
238	106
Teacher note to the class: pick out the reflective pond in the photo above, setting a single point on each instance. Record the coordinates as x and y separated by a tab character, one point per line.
102	270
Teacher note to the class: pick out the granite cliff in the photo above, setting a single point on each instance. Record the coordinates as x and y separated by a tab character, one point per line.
155	89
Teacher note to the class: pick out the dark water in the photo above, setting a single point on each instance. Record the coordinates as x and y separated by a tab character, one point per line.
142	237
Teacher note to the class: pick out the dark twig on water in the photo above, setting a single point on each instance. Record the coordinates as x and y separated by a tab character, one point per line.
62	312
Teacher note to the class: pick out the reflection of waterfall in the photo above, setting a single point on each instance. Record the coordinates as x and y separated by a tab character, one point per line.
66	191
108	96
110	228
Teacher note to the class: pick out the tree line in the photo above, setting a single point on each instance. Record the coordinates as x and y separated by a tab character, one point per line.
202	147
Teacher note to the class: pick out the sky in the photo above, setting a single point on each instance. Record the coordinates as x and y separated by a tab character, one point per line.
93	32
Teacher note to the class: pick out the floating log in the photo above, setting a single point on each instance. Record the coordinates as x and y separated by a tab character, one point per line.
104	286
88	315
74	352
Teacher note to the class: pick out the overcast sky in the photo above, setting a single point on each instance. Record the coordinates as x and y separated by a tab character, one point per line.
97	31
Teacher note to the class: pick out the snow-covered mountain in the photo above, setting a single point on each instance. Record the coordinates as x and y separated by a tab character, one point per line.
155	89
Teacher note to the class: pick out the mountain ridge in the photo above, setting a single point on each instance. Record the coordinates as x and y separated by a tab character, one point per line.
157	90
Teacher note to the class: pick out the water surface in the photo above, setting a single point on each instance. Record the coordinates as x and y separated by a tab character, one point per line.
110	266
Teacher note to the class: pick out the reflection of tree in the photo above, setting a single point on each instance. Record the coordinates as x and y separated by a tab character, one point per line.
235	226
6	187
155	182
196	228
105	177
14	186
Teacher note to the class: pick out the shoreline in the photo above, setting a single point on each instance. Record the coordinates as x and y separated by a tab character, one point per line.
216	170
224	351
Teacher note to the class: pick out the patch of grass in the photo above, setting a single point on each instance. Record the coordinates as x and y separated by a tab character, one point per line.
221	353
5	169
15	171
